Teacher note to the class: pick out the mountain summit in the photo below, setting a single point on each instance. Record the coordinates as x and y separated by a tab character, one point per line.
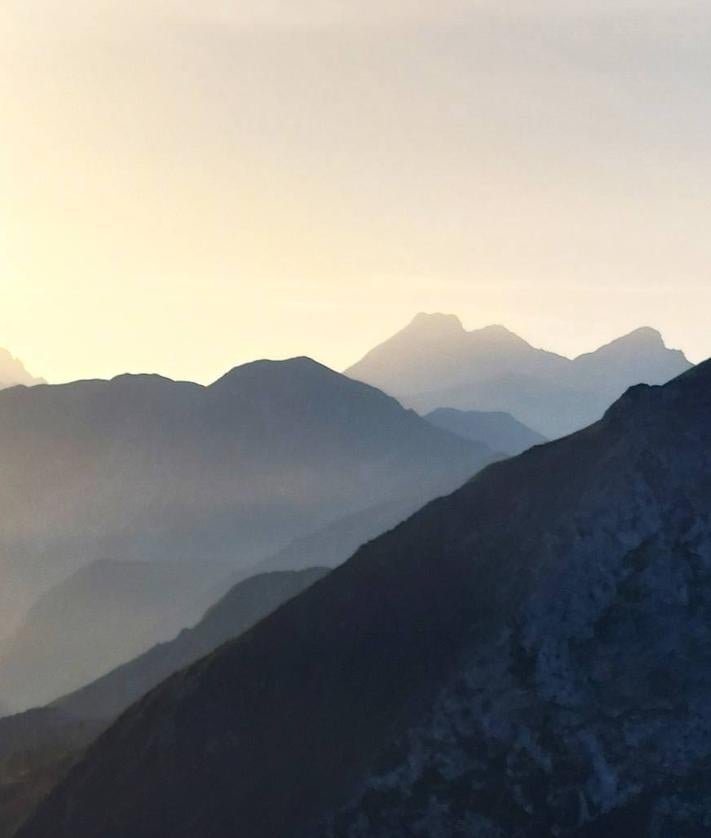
12	372
434	362
528	656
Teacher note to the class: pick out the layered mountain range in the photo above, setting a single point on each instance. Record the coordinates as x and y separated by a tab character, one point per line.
528	656
145	468
434	362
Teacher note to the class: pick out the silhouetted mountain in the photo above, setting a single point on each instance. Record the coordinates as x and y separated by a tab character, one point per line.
36	750
103	615
499	431
528	656
243	606
434	363
326	547
142	468
12	372
333	544
37	747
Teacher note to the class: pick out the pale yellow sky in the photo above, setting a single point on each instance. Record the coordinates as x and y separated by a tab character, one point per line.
184	186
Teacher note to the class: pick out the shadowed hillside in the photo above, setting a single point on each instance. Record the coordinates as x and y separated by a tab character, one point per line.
102	616
38	747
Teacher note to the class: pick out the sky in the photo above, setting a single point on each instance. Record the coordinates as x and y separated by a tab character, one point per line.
188	186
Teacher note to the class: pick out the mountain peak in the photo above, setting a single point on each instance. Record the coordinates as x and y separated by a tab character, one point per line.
265	368
643	336
435	323
13	372
498	332
643	345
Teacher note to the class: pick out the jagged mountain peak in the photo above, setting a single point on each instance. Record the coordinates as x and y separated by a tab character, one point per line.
435	321
13	372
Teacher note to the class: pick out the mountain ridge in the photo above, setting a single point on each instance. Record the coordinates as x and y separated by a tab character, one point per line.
145	468
500	431
492	369
104	614
531	628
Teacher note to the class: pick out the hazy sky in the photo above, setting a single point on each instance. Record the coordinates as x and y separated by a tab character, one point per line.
185	186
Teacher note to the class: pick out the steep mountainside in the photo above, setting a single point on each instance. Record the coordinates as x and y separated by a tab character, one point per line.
500	431
12	372
243	606
529	656
145	468
36	750
38	747
332	545
434	363
103	615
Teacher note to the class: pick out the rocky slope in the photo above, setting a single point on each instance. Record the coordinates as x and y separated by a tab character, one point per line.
529	656
434	362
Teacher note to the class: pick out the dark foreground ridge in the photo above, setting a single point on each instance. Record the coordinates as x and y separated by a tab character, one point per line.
529	656
38	747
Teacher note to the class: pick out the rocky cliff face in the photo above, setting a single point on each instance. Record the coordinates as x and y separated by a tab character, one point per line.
592	698
529	656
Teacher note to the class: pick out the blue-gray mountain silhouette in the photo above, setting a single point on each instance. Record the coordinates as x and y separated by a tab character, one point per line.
103	615
144	468
528	656
239	609
500	431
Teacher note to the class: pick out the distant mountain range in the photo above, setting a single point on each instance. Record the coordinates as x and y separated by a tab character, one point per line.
528	656
499	431
434	362
12	372
101	616
144	468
